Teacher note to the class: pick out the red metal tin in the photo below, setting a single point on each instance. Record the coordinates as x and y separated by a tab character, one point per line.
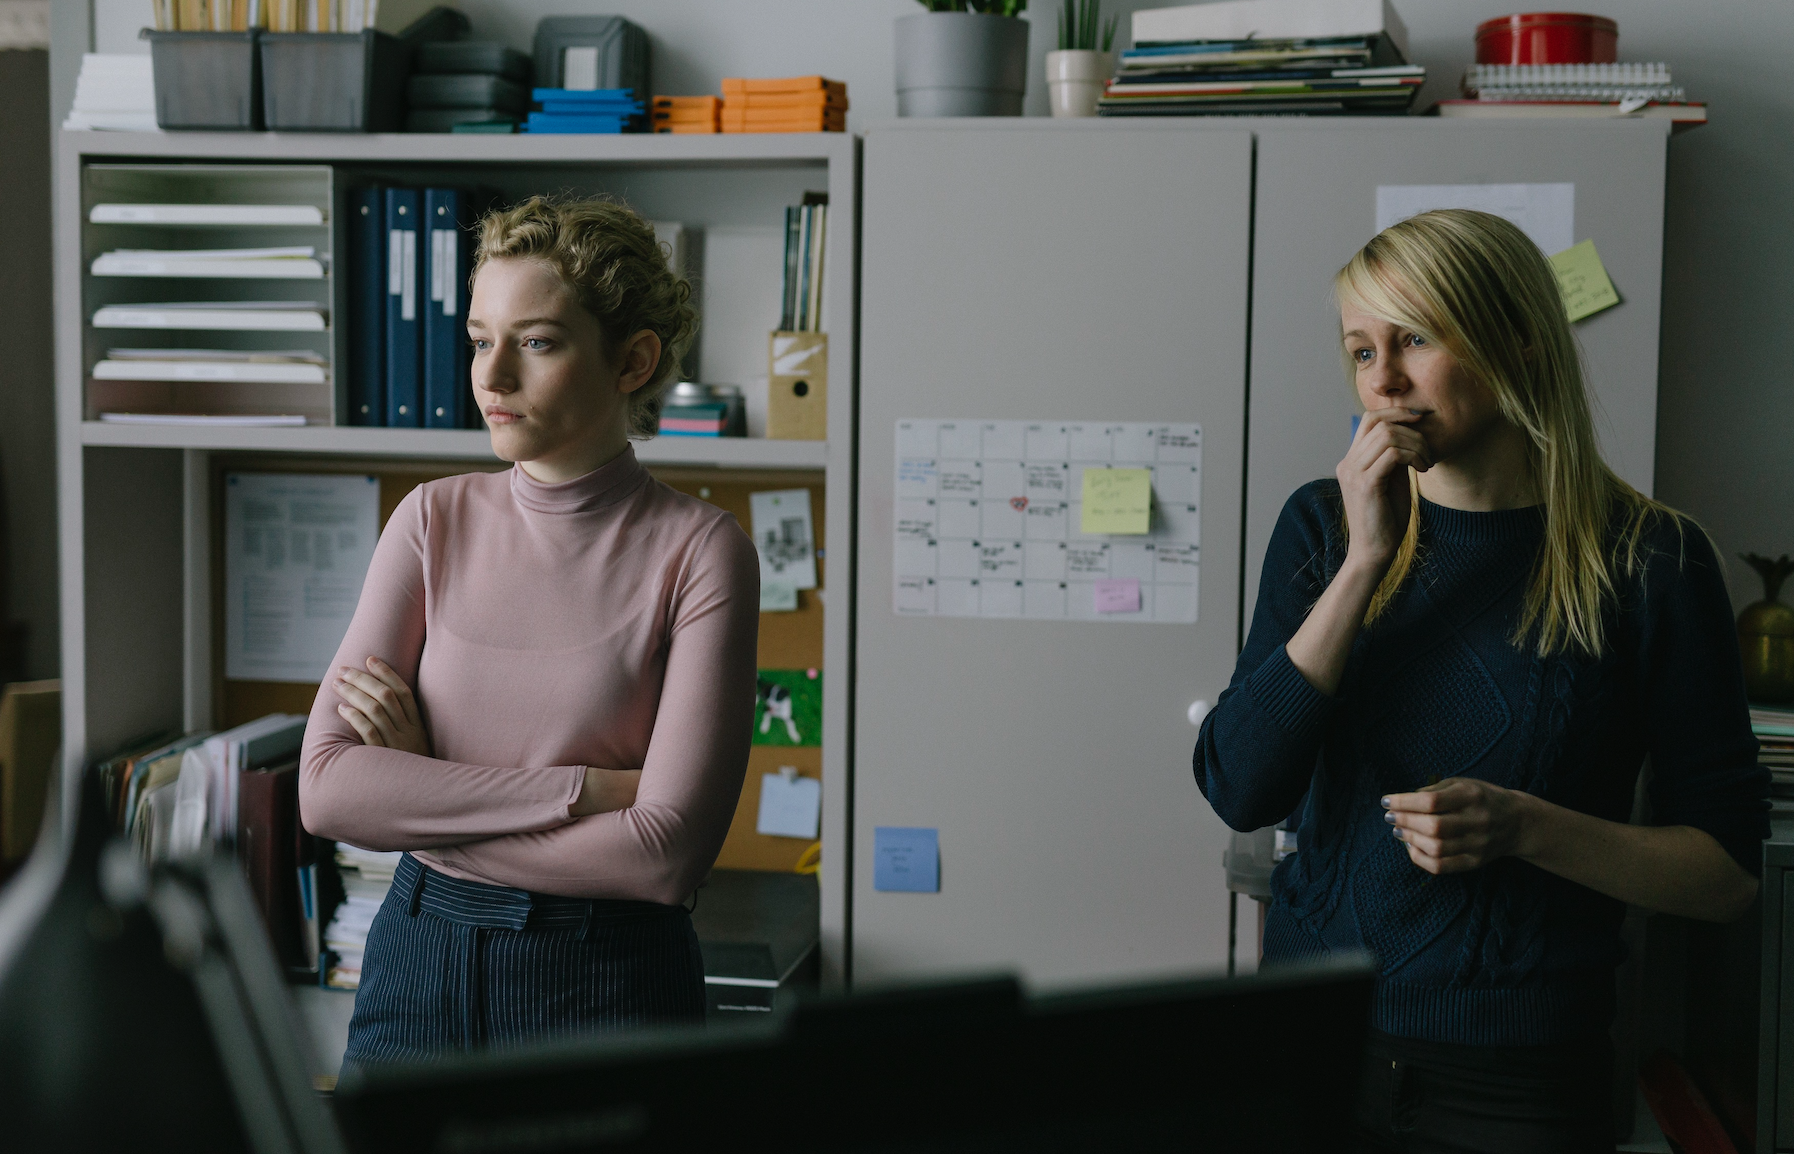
1547	38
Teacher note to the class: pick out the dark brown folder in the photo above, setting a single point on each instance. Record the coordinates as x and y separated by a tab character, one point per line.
267	844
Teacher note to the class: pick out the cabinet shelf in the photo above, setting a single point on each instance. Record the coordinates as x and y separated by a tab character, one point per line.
442	444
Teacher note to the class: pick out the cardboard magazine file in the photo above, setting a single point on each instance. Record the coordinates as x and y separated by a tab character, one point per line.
797	387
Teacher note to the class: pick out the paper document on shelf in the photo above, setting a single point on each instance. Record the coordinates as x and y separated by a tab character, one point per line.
297	548
1544	212
790	806
1583	281
1023	519
785	536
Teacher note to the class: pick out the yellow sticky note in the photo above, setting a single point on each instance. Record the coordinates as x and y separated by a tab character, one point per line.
1582	279
1117	500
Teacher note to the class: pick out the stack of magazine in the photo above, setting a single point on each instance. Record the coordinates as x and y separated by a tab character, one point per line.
1774	727
1339	75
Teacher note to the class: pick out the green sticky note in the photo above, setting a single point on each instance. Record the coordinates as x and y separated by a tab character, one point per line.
1582	279
1117	500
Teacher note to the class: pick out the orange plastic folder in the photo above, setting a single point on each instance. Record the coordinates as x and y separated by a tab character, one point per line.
735	86
803	124
803	101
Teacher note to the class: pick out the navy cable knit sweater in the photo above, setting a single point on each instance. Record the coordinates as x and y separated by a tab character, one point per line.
1508	954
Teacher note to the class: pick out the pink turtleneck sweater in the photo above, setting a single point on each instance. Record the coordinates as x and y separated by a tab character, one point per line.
606	621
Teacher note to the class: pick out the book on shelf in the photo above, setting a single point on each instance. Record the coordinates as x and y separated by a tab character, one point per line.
806	232
207	214
248	316
366	877
1639	82
449	218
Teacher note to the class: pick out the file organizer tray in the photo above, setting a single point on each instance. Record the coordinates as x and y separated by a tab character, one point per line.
334	81
206	80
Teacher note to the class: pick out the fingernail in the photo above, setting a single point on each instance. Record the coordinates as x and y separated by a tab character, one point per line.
1390	818
1397	832
1386	803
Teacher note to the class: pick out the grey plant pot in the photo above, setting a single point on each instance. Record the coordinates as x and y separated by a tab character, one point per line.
961	64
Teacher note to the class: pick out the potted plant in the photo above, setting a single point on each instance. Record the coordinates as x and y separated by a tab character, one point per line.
1075	74
963	58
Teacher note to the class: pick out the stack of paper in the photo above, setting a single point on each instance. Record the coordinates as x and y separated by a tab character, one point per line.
285	316
700	114
602	110
367	876
793	104
283	367
116	92
220	420
284	262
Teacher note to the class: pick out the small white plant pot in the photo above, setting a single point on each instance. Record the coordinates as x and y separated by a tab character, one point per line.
1075	78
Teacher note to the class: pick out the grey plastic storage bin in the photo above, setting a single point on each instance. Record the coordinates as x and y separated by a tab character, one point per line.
621	46
206	80
334	81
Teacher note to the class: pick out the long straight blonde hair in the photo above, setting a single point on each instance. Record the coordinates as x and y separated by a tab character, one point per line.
1477	286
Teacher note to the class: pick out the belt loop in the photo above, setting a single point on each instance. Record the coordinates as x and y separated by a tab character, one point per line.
585	922
417	886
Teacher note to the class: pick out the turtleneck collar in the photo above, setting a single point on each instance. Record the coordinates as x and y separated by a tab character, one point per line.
1494	527
605	485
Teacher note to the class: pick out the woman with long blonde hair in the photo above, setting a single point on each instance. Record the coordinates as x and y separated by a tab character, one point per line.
1465	647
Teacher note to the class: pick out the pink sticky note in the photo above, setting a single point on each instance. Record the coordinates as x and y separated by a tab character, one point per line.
1118	595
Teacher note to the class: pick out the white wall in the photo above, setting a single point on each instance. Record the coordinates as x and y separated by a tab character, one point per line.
1725	448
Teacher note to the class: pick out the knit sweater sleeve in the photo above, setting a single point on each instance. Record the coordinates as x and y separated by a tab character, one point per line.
1704	770
1257	748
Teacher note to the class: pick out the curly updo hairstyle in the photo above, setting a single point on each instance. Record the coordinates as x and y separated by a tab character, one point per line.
607	255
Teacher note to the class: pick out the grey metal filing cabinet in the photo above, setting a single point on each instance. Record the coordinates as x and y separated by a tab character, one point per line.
1775	1036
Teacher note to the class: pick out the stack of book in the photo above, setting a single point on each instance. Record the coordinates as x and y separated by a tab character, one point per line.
794	104
806	242
1237	57
701	114
604	110
1574	90
1343	75
1775	740
366	877
467	86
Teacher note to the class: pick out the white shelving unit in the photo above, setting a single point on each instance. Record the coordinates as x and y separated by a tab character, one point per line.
135	502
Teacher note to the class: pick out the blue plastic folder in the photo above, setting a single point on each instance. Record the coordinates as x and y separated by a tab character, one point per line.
404	339
906	860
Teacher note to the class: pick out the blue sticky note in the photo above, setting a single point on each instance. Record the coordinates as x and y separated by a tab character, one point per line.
906	860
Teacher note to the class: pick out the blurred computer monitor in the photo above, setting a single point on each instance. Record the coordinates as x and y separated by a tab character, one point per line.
1263	1062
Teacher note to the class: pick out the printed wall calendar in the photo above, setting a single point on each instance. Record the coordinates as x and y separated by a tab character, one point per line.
1048	520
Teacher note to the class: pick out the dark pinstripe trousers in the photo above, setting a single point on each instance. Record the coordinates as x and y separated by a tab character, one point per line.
454	965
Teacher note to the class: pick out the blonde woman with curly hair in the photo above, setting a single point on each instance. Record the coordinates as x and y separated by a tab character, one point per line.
545	695
1466	646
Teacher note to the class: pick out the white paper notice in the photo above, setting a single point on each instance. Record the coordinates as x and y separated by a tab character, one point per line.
297	547
784	535
989	519
1544	212
790	806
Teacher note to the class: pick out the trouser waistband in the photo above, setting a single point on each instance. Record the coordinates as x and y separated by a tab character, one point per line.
471	903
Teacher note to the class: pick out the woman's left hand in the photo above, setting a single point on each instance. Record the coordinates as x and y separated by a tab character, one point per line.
380	706
1458	824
